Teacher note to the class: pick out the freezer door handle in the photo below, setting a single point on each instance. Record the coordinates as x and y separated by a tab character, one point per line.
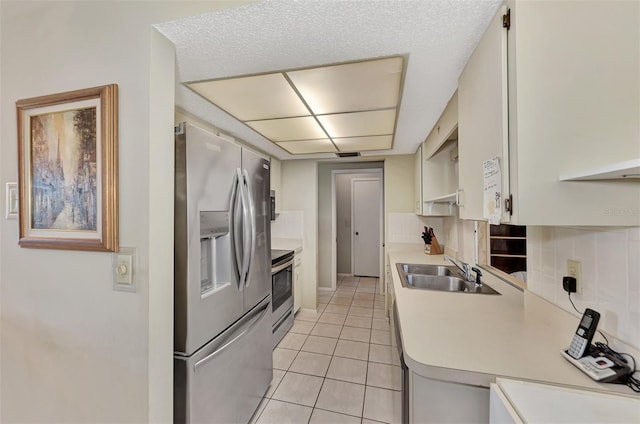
252	225
236	227
244	330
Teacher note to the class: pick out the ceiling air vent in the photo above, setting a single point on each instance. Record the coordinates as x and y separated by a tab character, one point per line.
348	154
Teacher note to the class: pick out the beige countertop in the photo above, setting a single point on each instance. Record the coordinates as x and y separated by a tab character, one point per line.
472	338
287	244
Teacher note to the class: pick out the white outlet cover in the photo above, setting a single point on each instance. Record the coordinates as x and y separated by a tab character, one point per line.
11	201
574	269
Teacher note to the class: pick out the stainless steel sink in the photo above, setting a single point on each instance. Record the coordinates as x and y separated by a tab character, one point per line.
439	278
428	269
435	282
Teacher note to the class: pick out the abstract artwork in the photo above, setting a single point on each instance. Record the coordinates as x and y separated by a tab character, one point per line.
67	184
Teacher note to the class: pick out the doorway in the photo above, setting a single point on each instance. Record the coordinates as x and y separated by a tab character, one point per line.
348	256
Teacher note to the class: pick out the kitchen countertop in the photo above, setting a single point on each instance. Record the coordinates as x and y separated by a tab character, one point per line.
287	244
472	338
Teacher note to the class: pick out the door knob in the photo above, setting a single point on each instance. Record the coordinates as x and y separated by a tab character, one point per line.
357	233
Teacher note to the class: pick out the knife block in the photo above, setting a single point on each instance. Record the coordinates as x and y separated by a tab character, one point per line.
433	248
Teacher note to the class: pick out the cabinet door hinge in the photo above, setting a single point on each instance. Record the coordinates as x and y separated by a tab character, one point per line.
508	204
506	20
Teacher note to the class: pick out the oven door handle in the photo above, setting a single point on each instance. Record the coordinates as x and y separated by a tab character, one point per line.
281	267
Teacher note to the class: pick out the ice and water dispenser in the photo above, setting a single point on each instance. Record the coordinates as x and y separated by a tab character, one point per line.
215	252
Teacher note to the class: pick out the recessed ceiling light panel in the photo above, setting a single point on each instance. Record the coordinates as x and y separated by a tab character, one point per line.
253	98
353	103
350	87
357	124
358	144
308	146
288	129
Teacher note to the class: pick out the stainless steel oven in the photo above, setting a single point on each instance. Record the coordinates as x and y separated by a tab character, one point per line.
282	292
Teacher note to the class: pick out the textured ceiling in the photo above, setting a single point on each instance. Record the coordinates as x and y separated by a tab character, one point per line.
436	36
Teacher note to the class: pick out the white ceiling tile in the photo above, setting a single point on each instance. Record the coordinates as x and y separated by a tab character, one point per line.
308	146
379	122
358	144
369	85
252	98
288	129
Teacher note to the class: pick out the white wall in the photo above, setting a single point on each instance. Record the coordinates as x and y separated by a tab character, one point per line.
299	193
72	349
325	205
343	223
610	273
312	195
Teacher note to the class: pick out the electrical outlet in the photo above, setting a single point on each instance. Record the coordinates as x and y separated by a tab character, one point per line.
574	269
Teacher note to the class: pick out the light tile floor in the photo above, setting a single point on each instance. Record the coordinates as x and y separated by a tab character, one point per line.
337	365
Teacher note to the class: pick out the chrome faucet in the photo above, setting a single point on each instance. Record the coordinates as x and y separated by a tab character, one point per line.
465	268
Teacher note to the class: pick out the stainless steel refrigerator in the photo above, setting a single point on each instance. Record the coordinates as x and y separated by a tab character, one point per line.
222	310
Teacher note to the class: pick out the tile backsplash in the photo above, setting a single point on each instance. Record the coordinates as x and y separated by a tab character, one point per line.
610	260
288	225
408	227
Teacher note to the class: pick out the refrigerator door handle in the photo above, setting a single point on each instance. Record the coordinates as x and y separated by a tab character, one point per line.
244	330
252	226
246	235
236	227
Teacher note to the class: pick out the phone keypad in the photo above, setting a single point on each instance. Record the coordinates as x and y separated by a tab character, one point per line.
578	346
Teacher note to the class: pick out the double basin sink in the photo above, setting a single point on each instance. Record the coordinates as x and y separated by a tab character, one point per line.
439	278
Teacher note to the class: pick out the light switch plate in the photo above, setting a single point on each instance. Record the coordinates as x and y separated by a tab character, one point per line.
124	269
11	198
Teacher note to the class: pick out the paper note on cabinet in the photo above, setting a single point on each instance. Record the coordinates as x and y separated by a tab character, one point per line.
492	191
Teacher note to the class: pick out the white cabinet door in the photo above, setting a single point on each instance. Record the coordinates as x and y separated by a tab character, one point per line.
482	117
500	410
417	181
297	283
574	105
550	97
434	401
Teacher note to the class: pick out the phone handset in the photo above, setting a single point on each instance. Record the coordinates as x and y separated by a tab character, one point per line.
584	334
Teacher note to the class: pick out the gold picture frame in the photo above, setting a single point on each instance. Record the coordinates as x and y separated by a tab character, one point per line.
68	170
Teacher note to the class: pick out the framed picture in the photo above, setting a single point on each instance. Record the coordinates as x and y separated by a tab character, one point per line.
68	170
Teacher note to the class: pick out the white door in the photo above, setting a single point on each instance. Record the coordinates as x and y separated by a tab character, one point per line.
365	224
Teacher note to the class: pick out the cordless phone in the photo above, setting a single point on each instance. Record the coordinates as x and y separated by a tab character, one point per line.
599	362
584	334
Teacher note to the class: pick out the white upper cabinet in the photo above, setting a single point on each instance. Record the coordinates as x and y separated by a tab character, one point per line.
438	179
482	117
444	129
276	182
567	103
417	181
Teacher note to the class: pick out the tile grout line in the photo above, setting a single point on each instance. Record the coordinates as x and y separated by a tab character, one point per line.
366	377
332	355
